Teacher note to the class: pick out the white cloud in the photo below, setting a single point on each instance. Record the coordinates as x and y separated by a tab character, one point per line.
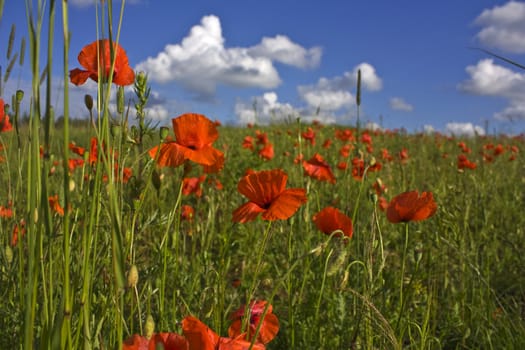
428	129
282	49
463	129
398	104
334	94
264	109
267	109
201	61
503	27
489	79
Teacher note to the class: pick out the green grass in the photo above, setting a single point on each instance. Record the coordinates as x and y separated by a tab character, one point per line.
64	284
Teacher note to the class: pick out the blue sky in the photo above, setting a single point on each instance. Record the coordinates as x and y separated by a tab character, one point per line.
300	58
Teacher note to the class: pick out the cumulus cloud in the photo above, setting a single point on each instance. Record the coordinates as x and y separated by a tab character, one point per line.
503	27
201	61
398	104
490	79
334	94
282	49
463	129
266	109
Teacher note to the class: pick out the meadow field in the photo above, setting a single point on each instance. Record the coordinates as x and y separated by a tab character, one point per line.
118	234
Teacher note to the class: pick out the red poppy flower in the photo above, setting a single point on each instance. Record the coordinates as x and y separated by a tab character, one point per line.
5	125
267	152
187	213
193	185
330	219
344	135
54	204
6	212
309	135
463	162
77	149
122	74
167	341
194	136
403	155
269	326
248	143
319	169
200	337
268	196
409	206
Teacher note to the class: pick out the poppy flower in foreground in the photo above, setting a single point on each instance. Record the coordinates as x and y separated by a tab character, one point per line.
317	168
409	206
194	136
166	341
268	196
200	337
269	327
5	125
98	54
330	219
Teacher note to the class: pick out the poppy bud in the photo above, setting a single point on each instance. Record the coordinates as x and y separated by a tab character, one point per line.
115	130
133	276
71	185
149	327
164	132
19	95
155	179
8	254
35	215
88	101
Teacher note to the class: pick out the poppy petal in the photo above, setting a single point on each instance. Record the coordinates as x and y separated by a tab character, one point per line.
247	212
88	56
286	204
263	186
207	156
170	154
194	131
198	335
124	76
78	76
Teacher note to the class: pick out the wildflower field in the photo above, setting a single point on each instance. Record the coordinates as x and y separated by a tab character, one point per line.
117	234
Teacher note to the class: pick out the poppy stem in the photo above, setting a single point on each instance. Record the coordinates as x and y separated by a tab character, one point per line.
402	281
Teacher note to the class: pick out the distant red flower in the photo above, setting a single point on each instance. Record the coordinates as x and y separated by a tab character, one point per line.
403	155
98	55
463	162
318	169
18	229
342	165
54	204
77	149
75	163
344	135
309	135
464	147
262	137
5	125
267	152
387	157
358	168
248	143
193	185
187	213
330	219
194	136
382	203
409	206
6	212
327	143
499	149
366	138
200	337
268	196
166	341
268	329
345	150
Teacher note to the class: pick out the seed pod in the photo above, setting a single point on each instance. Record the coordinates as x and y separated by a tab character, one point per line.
88	101
133	276
149	327
22	52
11	41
